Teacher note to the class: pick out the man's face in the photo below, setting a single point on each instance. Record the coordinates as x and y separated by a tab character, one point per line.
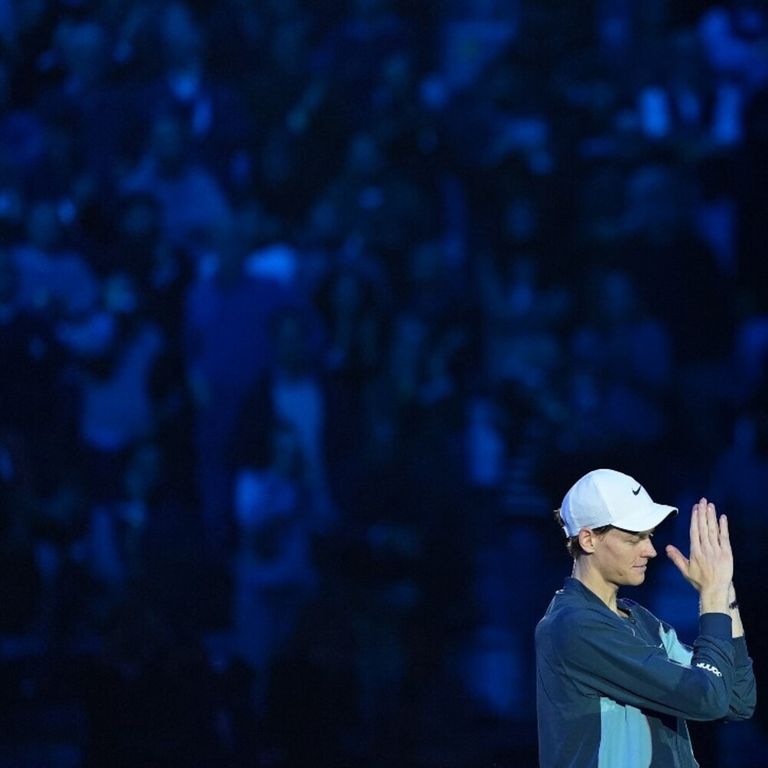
621	556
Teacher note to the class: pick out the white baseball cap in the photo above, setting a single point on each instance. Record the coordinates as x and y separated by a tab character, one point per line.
607	497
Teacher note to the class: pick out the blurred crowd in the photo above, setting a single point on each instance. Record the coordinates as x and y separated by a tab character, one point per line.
310	313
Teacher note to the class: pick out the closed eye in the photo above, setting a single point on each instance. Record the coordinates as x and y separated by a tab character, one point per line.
638	537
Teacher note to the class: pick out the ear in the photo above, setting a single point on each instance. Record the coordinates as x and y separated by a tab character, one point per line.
588	540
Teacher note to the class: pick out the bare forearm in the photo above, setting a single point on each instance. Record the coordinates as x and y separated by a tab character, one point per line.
714	600
733	610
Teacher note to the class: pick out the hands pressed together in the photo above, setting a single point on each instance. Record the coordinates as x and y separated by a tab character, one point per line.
709	569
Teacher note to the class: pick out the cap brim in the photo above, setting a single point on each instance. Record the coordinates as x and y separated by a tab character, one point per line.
648	520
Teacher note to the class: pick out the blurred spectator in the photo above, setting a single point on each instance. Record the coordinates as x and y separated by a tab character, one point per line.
520	321
622	368
117	407
21	134
659	231
357	52
29	40
211	110
372	201
485	444
739	472
273	571
53	278
115	543
750	356
162	272
751	169
354	307
297	135
29	349
87	99
227	348
734	35
292	391
194	206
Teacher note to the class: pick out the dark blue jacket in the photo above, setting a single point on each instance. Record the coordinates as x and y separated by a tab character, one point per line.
616	692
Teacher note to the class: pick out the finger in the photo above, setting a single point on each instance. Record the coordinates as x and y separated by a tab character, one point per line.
702	519
725	534
713	530
678	558
695	535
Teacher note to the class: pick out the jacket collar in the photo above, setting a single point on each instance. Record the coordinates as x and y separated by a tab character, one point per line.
573	586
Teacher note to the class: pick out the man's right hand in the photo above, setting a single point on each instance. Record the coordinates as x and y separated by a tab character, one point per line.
710	567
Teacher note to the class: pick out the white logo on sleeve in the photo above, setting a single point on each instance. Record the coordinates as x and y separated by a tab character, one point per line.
710	668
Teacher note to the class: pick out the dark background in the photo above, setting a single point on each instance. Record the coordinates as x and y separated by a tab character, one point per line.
311	312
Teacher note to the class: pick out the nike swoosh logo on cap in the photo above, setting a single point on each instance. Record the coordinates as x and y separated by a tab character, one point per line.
639	487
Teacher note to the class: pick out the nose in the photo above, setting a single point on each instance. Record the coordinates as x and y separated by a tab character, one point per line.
649	550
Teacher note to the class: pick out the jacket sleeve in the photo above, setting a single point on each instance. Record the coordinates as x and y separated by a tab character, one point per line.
742	702
607	658
744	695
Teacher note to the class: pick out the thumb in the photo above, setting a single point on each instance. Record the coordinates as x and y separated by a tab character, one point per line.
678	558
